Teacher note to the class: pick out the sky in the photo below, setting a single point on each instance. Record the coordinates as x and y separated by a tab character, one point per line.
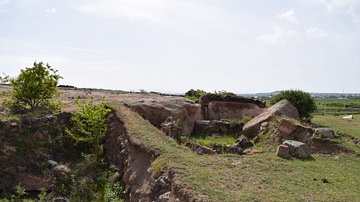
173	46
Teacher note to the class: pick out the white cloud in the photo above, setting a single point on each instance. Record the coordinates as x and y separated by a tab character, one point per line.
155	11
289	16
4	1
51	10
316	32
349	7
277	36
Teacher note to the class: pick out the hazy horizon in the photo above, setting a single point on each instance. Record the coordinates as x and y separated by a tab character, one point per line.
175	45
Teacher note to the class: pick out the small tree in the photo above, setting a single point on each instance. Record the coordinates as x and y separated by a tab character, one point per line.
90	125
303	101
35	87
4	79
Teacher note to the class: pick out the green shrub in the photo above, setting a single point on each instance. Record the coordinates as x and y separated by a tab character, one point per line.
303	101
35	87
90	124
195	94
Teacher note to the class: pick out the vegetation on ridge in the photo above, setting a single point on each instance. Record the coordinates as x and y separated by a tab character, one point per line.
34	87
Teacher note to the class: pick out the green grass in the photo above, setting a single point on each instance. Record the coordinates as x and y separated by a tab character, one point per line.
348	126
338	106
261	177
210	141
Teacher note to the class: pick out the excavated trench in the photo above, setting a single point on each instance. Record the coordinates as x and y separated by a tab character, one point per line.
134	159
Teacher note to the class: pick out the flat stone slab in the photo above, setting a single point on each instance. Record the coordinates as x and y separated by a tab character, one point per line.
298	149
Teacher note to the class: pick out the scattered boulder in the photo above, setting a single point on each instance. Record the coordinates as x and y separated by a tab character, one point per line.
236	150
324	132
31	183
286	126
200	149
61	172
282	151
52	163
298	149
282	108
244	143
348	117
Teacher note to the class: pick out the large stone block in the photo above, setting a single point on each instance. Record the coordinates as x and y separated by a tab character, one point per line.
298	149
282	108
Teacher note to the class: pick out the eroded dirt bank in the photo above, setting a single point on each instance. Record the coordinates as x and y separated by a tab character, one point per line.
134	159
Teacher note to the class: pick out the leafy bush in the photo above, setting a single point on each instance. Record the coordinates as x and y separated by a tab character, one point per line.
35	87
195	94
4	79
303	101
90	124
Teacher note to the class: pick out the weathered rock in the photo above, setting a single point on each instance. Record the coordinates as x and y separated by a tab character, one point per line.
286	126
348	117
324	132
60	199
157	108
298	149
164	197
8	150
61	172
38	135
31	183
215	126
244	143
206	99
282	108
282	151
236	150
232	110
52	163
200	149
171	129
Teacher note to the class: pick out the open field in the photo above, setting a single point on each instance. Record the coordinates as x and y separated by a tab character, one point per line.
338	106
260	177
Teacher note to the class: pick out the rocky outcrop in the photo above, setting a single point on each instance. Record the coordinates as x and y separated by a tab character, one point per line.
232	110
31	183
134	159
282	108
319	142
230	107
218	127
157	108
62	172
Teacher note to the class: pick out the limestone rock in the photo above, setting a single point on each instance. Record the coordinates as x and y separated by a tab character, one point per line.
282	108
216	126
282	151
298	149
200	149
157	108
286	126
232	110
324	132
61	172
348	117
31	183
